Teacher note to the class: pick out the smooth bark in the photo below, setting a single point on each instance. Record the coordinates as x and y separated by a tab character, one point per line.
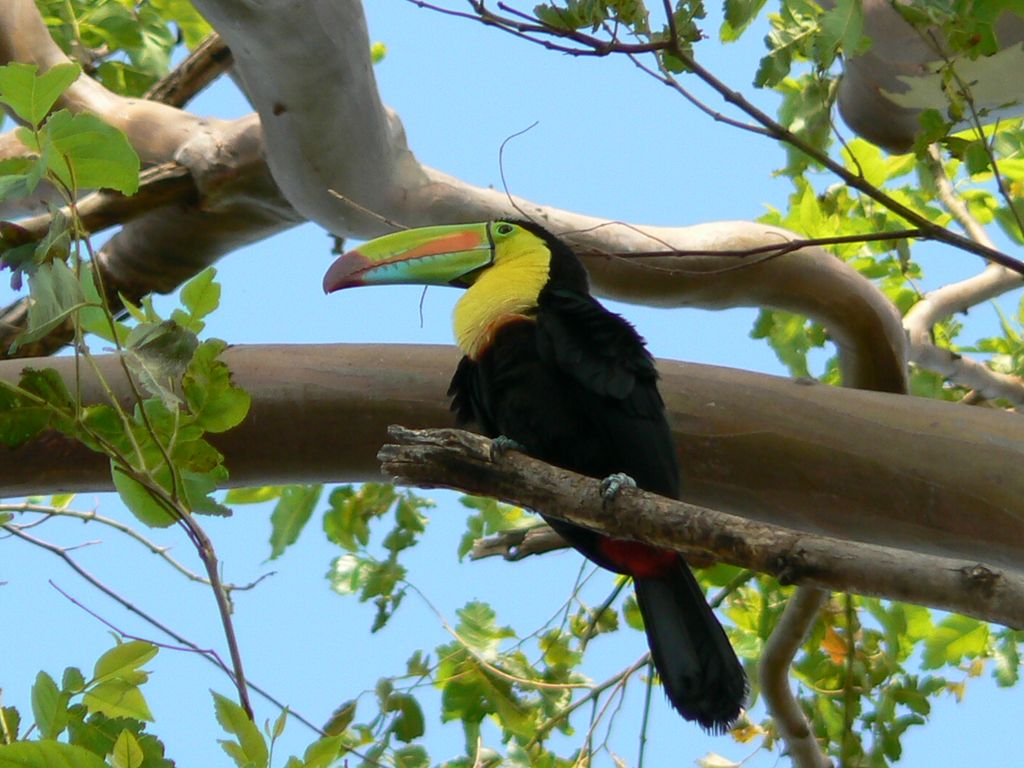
921	474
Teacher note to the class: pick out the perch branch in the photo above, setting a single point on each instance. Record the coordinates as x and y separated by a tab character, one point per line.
455	459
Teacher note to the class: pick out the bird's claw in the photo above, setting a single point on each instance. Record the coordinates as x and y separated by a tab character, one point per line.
612	484
501	445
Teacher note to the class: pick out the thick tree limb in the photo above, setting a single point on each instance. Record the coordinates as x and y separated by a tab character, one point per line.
884	89
887	469
312	135
352	144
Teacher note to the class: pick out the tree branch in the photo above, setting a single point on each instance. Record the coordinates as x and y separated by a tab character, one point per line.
344	139
765	447
460	460
776	658
206	63
951	299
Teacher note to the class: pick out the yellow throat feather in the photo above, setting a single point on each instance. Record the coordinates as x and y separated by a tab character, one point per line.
506	290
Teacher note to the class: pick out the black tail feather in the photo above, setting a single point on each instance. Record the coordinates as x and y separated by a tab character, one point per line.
703	679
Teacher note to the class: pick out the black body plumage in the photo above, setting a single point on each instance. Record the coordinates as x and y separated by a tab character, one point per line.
575	385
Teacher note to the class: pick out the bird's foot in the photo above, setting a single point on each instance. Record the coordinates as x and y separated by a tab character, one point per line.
612	484
501	445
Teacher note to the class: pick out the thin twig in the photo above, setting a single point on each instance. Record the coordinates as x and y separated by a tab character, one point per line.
131	608
536	31
117	525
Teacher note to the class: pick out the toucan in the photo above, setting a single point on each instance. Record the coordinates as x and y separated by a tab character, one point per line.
548	370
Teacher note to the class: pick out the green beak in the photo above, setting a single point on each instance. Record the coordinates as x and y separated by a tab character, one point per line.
426	256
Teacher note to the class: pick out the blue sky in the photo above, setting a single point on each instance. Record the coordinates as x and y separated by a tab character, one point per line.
608	141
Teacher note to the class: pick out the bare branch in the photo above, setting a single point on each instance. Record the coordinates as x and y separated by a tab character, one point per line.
967	372
210	656
951	201
776	658
93	516
206	63
518	543
460	460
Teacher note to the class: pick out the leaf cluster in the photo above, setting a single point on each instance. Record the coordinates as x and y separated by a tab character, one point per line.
125	46
102	718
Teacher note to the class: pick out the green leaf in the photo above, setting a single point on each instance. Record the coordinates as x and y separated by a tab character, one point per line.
412	756
31	96
159	354
953	639
408	724
47	754
842	27
56	244
48	385
49	707
117	698
201	296
20	421
99	733
126	753
199	486
738	16
92	317
341	718
139	500
251	748
322	752
290	516
217	404
1007	653
492	517
10	722
89	154
631	613
72	682
122	658
192	25
55	293
279	724
255	495
478	630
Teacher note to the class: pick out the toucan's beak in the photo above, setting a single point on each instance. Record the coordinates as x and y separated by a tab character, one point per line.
426	256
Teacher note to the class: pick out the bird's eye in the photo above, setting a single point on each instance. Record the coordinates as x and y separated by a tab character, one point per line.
503	229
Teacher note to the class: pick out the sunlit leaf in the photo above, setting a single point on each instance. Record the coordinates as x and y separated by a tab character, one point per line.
49	707
954	639
47	754
117	698
290	516
251	747
32	96
88	153
126	752
123	657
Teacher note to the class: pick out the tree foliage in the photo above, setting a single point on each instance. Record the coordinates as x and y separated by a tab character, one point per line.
869	670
